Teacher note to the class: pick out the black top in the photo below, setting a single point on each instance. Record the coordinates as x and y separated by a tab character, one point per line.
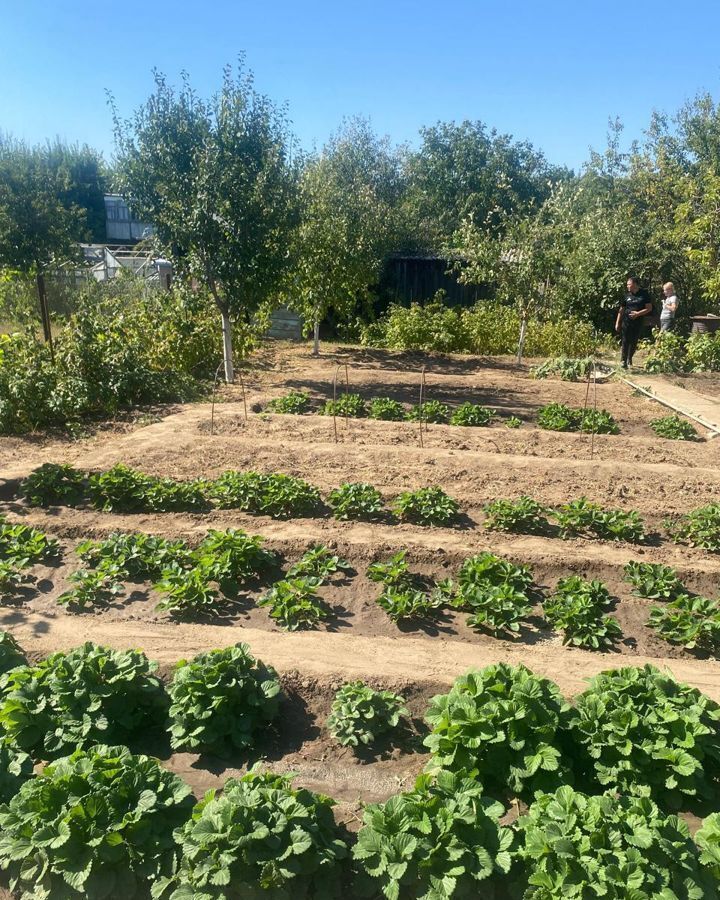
634	303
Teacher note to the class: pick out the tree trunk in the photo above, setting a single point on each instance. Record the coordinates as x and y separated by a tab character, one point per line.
45	313
316	338
521	342
227	346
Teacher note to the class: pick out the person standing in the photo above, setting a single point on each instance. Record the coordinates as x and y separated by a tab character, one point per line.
629	319
669	307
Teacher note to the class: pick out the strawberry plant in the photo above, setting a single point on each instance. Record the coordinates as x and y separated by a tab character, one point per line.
607	846
498	610
351	405
188	592
294	402
568	368
11	654
319	562
279	496
93	587
23	545
124	489
693	622
260	837
294	603
576	609
54	485
426	506
16	768
699	528
430	411
674	428
139	557
560	417
222	701
522	516
231	557
512	422
440	840
404	601
644	732
486	570
10	580
394	572
653	580
356	501
360	715
503	725
598	421
708	840
581	517
386	409
80	698
96	824
472	414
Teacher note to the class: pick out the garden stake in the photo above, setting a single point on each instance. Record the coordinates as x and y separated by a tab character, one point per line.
212	405
422	390
347	391
337	369
242	385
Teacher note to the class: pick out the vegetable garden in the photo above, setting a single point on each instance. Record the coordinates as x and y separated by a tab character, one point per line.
474	623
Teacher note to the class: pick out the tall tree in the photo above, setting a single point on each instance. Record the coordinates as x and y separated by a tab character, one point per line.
349	195
216	179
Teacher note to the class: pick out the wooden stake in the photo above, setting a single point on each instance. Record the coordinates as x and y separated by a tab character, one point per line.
221	364
420	405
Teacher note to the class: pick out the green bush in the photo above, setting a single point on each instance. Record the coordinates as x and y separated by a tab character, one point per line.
93	587
442	839
429	327
23	545
11	653
674	428
222	701
699	528
472	414
97	824
295	402
279	496
229	557
356	500
361	715
513	422
259	838
431	411
386	409
79	698
645	732
351	405
503	725
667	354
567	368
689	621
576	609
522	516
426	506
703	352
608	846
52	484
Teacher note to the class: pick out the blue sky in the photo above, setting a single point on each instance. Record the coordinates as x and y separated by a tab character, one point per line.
550	72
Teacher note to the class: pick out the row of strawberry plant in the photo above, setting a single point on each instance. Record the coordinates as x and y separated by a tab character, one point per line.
21	547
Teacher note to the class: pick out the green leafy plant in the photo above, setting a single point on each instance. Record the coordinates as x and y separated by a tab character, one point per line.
607	846
403	601
394	572
361	715
503	725
319	562
16	768
576	609
138	556
667	354
699	528
485	570
124	489
188	592
674	428
472	414
581	517
294	402
23	545
11	654
351	405
10	580
222	701
522	516
386	409
442	839
93	587
79	698
560	417
96	824
279	496
567	368
499	610
653	580
260	837
231	557
356	501
708	840
426	506
430	411
598	421
644	732
512	422
294	603
693	622
54	485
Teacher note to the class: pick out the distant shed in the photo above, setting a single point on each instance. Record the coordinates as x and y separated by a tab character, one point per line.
285	324
416	278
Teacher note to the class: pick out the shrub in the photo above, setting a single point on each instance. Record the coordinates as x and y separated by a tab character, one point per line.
386	409
95	824
503	725
674	428
356	500
294	603
703	353
261	837
442	839
699	528
426	506
522	516
11	654
567	368
188	592
221	701
645	732
360	715
607	846
16	768
429	327
76	699
653	580
319	562
667	354
351	405
576	609
279	496
472	414
54	485
430	411
689	621
581	517
294	402
10	580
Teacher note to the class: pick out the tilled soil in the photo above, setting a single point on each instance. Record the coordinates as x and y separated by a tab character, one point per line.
632	470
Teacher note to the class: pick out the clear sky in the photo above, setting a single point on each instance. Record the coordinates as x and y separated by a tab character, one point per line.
549	71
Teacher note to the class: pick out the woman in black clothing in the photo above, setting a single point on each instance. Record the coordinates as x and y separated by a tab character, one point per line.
629	319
